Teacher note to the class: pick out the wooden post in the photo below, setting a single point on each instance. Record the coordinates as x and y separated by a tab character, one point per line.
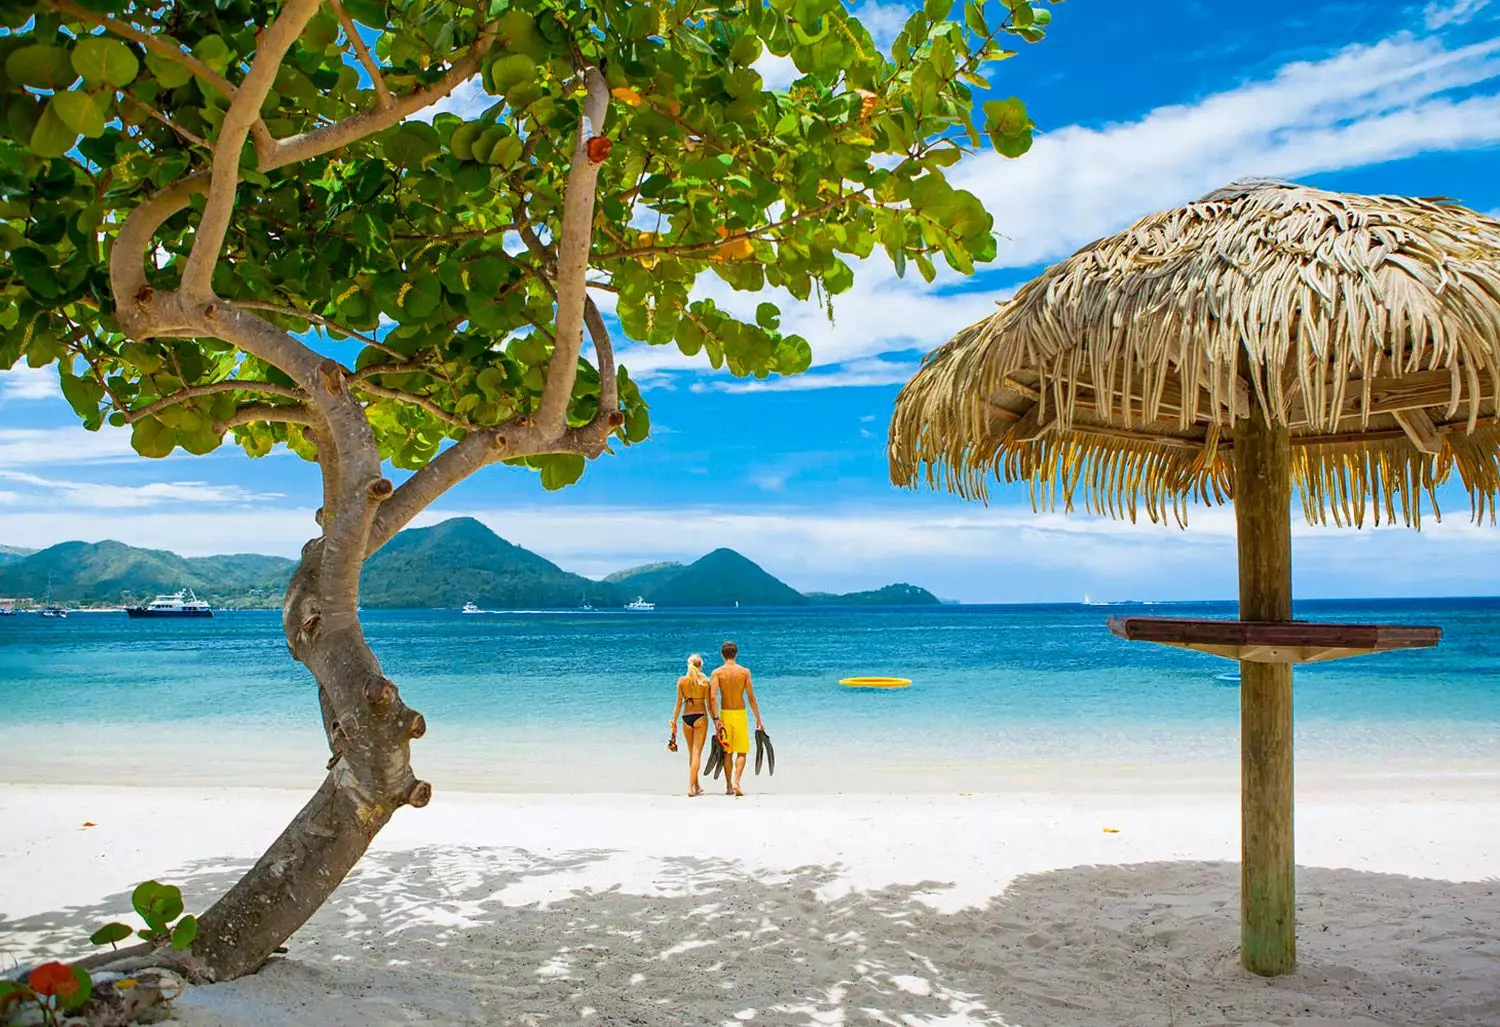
1262	508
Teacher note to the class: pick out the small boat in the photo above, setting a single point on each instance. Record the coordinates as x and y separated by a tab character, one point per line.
639	604
471	607
177	604
48	609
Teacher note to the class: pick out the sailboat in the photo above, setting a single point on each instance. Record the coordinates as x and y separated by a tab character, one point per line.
48	610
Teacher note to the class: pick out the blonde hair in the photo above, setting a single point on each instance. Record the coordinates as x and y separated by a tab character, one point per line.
695	675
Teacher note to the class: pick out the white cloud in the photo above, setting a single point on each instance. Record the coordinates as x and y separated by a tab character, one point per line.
96	495
855	373
28	383
1454	12
189	532
1362	106
776	72
468	101
35	447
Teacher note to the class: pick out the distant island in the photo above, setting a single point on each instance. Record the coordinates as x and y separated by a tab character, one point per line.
443	566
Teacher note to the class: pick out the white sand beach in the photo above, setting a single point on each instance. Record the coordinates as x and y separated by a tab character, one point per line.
954	909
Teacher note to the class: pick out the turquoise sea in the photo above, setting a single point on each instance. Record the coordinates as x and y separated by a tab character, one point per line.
545	699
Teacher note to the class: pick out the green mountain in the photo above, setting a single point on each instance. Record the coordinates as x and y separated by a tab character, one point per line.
442	566
112	572
722	578
638	581
461	560
10	554
891	595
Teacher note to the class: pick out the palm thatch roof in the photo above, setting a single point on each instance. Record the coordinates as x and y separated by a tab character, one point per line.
1369	325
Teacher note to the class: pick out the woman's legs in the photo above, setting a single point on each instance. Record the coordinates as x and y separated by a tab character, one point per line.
695	735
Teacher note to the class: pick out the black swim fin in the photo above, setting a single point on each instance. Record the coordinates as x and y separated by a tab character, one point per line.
764	748
715	758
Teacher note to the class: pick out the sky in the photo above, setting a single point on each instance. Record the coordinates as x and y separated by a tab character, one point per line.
1138	108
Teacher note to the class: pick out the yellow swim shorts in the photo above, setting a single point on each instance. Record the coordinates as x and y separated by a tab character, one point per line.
738	730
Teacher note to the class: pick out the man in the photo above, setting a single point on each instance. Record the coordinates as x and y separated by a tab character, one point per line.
729	689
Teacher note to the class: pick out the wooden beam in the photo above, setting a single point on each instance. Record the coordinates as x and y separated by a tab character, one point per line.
1262	508
1420	429
1033	424
1398	393
1209	633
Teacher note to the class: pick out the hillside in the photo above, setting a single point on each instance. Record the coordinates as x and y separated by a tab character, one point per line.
112	572
722	578
460	560
640	581
900	594
11	554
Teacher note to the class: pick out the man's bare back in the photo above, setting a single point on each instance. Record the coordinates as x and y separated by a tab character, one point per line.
731	680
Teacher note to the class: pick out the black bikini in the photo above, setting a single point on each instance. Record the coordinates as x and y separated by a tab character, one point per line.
689	719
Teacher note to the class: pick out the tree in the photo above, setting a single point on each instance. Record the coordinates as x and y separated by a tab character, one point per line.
224	221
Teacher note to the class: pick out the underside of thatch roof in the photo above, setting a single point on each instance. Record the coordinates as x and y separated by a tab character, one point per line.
1370	325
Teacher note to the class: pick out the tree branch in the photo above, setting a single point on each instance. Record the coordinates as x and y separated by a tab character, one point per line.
415	400
382	91
475	450
161	45
574	242
210	389
322	322
609	386
275	41
127	258
367	122
289	413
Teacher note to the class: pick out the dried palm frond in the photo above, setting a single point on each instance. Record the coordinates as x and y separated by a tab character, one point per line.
1368	324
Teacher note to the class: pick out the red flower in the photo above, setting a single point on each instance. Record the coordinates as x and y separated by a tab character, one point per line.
53	979
598	149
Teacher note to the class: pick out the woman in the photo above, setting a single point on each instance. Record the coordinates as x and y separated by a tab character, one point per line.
692	704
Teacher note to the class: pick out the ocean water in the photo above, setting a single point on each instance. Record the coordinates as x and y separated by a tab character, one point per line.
546	699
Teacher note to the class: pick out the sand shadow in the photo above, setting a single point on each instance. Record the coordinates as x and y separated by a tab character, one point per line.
448	935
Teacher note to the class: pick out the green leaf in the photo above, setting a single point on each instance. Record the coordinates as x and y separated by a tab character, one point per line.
768	316
169	74
158	904
111	934
36	271
104	61
184	933
52	136
150	438
83	990
81	112
974	16
82	394
214	52
793	355
41	67
561	470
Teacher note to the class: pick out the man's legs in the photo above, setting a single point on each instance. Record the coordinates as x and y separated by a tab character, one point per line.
739	771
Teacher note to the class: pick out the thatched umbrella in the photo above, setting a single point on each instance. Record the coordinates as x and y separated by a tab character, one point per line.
1266	336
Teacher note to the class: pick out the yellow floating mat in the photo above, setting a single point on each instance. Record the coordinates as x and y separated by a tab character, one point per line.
875	682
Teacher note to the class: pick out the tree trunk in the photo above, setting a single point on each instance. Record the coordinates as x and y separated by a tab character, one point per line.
369	776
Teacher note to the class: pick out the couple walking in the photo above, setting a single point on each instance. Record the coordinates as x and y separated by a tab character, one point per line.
720	698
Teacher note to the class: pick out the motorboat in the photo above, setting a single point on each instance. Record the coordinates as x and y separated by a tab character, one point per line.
471	607
639	604
177	604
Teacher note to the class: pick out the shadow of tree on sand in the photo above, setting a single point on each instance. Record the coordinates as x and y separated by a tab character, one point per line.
449	936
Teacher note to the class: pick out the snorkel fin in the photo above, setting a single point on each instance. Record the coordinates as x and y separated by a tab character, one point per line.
763	748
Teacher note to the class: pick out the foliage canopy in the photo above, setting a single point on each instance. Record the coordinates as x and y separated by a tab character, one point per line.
425	255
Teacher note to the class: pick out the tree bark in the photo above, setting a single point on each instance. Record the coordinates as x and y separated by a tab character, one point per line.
369	731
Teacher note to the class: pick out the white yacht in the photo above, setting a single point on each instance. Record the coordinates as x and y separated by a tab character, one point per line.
639	603
472	607
178	604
